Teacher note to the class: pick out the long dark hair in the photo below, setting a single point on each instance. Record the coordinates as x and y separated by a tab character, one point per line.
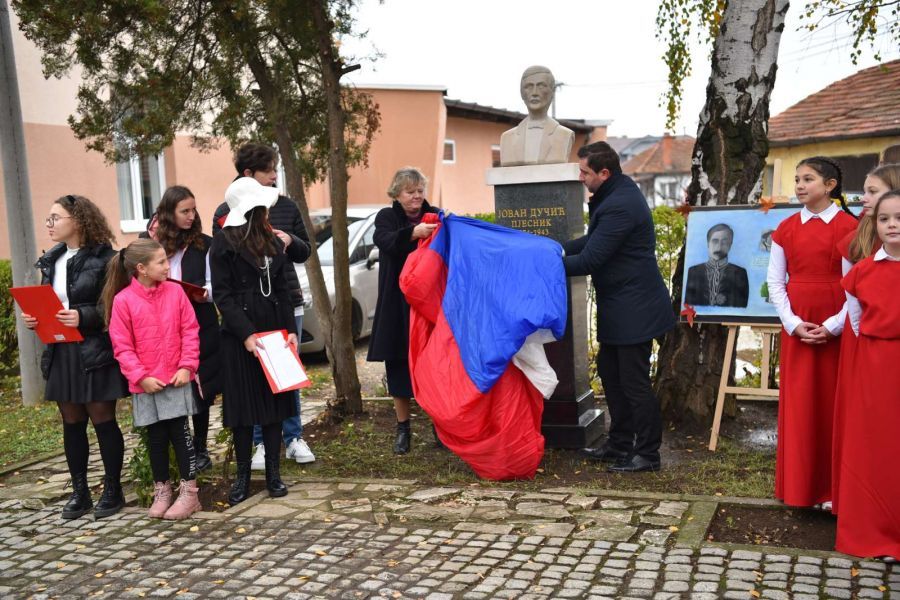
829	169
168	234
122	267
255	236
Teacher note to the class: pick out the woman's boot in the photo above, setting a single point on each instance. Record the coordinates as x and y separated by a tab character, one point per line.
274	484
162	499
240	490
404	436
187	503
80	501
111	500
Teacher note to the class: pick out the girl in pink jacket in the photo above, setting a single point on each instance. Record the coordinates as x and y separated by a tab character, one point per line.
156	340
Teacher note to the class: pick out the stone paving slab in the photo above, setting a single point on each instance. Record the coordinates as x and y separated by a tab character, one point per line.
239	555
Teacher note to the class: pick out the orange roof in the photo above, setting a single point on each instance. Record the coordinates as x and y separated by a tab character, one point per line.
672	154
864	104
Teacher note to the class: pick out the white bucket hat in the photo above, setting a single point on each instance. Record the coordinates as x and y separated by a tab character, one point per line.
245	194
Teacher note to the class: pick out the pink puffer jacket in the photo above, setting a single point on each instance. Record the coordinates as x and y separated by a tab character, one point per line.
154	332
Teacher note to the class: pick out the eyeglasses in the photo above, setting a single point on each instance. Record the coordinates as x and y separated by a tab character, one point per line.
53	219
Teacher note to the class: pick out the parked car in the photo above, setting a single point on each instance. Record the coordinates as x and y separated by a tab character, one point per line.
363	274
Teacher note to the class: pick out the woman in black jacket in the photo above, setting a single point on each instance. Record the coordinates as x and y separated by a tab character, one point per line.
180	233
398	229
83	378
248	267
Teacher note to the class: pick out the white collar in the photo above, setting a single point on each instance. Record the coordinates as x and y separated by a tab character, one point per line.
826	215
883	255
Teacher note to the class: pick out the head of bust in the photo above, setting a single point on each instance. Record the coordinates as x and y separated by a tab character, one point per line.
538	88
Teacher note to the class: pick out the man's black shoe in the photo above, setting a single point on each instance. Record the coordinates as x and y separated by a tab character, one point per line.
603	454
635	464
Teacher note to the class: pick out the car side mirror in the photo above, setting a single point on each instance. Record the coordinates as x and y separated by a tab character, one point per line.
373	258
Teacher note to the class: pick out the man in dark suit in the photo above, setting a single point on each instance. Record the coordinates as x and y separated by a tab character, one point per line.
717	282
633	307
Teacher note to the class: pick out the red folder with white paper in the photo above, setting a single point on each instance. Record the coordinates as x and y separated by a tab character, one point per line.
42	303
280	362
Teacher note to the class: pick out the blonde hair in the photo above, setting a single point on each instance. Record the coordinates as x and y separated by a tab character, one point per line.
866	238
122	267
404	178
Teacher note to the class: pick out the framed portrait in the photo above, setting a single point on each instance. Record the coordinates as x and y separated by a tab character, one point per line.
726	260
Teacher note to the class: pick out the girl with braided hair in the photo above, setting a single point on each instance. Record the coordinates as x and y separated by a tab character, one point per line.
804	279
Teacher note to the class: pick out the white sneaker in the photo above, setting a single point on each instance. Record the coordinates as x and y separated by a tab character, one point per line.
300	452
259	459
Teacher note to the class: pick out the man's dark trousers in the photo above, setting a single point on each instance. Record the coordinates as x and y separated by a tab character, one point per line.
635	420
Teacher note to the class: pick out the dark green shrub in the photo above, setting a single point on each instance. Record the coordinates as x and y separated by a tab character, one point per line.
9	350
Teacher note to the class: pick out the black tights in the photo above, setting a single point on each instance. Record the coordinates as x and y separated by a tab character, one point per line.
177	432
109	436
243	441
201	429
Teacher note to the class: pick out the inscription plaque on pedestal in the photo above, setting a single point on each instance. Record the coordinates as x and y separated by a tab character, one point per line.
548	200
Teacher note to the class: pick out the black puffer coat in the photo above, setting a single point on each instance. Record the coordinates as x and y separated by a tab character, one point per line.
85	276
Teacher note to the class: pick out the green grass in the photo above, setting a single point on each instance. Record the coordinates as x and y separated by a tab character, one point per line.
360	447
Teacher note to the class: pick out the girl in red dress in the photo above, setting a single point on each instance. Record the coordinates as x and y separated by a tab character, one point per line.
869	521
853	248
804	280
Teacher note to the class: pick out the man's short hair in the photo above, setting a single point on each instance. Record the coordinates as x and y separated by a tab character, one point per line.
719	227
600	155
256	157
534	70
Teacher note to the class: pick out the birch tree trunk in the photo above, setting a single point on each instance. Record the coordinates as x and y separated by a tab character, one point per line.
727	160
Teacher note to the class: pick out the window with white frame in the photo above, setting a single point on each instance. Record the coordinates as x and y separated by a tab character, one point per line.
449	151
141	182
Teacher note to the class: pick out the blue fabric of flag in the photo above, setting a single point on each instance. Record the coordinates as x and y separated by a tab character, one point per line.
502	286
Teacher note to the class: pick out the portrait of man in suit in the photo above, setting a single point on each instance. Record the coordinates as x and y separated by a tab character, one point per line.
717	282
538	139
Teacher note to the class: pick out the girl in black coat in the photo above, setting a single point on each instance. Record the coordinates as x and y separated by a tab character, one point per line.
180	233
83	378
398	230
248	268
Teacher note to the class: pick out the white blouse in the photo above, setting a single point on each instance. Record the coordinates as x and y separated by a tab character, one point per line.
60	276
853	307
175	271
777	277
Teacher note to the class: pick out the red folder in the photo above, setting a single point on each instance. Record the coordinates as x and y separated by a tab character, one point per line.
42	303
271	377
194	292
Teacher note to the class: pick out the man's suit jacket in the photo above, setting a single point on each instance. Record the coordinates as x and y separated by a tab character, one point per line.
619	253
735	287
556	144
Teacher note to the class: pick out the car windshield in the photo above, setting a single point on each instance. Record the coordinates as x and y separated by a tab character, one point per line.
322	226
326	248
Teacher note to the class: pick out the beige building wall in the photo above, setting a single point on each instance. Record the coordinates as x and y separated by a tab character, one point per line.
464	188
783	160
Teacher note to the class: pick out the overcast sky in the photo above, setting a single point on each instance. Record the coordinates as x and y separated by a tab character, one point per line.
604	51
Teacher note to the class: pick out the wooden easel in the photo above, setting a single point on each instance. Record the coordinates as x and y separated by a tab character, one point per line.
764	391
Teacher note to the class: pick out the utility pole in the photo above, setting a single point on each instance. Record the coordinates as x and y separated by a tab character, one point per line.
19	217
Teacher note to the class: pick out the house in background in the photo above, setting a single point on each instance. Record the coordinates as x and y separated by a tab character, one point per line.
663	170
855	121
629	147
452	142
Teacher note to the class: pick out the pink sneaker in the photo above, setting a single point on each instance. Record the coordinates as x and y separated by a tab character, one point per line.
162	500
187	503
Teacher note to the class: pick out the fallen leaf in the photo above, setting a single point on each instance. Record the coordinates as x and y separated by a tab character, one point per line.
321	553
854	572
194	528
240	530
754	593
60	565
540	470
673	529
219	581
718	493
882	588
99	575
691	518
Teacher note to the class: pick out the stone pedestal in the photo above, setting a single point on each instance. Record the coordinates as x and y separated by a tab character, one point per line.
548	200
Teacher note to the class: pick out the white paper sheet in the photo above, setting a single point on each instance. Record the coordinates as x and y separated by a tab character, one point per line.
280	361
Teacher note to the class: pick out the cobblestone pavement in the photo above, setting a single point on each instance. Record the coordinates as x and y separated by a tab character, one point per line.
392	539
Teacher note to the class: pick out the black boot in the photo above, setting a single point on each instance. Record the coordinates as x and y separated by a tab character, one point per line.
274	484
80	501
203	461
403	439
240	490
111	500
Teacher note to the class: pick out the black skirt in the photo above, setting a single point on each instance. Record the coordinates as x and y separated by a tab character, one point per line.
68	382
398	382
247	398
